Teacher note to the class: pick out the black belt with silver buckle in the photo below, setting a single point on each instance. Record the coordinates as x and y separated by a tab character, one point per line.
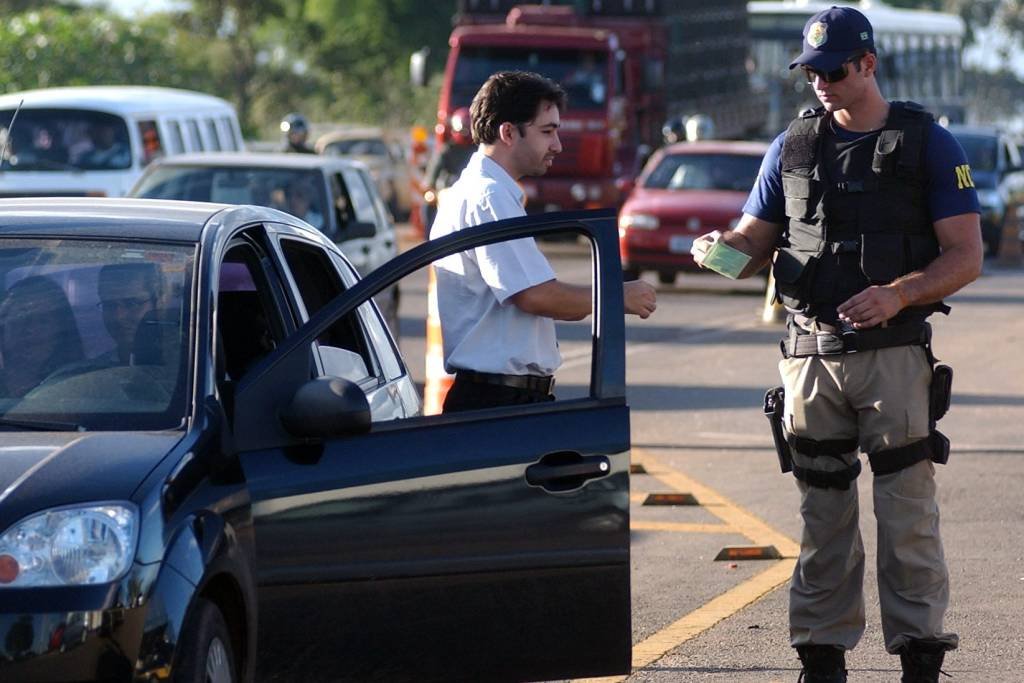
544	384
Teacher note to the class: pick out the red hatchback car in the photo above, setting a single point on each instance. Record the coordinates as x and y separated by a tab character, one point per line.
685	190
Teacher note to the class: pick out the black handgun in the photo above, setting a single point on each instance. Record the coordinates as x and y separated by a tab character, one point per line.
774	404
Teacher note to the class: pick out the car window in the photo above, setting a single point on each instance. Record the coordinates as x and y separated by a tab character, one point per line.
735	172
391	362
175	141
211	130
248	326
295	191
359	193
230	143
318	282
95	332
197	138
62	139
152	148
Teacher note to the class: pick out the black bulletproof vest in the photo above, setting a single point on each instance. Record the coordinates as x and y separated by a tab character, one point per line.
857	211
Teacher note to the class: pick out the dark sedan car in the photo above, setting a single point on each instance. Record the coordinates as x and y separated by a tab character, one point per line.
685	190
213	466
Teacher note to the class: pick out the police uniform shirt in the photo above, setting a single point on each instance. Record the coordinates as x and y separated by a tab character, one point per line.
950	189
482	330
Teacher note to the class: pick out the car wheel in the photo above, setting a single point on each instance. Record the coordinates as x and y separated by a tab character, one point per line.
667	277
206	655
629	273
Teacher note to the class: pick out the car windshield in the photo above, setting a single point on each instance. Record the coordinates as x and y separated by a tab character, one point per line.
365	147
582	73
982	150
299	192
733	172
63	139
94	333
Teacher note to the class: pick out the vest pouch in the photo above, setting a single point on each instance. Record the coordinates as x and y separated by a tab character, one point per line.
885	159
881	257
793	271
799	191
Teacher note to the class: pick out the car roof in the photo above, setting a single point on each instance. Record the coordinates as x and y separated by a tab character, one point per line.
983	131
126	99
112	217
750	147
259	159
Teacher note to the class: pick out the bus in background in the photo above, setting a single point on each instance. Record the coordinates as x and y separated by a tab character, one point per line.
96	140
919	54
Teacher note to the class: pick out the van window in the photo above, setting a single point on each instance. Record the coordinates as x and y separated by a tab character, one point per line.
193	131
175	141
151	146
211	128
64	139
230	143
362	201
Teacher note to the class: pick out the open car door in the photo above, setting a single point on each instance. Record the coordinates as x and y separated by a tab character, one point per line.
485	545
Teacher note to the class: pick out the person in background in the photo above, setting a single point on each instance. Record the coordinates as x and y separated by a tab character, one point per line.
127	292
296	131
498	303
868	209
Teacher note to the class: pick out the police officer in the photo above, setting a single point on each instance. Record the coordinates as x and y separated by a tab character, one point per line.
296	130
870	211
497	304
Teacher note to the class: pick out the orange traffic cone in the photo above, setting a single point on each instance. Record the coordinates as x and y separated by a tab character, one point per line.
436	380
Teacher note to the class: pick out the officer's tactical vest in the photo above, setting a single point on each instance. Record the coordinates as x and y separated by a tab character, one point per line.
858	221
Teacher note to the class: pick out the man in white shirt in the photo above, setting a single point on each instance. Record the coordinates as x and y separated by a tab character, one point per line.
498	303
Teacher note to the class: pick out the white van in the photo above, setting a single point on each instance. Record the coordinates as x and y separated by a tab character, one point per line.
96	140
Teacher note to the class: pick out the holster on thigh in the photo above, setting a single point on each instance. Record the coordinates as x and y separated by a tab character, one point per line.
833	448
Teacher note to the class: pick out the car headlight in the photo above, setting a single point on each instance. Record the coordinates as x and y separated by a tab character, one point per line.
70	546
641	221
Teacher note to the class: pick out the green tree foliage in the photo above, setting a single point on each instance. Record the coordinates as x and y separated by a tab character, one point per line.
65	46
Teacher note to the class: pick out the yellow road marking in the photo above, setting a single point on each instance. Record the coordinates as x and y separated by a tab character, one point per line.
743	522
640	525
737	520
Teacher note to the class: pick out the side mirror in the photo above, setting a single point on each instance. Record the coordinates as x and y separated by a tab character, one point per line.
326	407
356	229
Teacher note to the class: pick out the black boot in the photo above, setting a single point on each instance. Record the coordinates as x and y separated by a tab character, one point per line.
822	664
922	661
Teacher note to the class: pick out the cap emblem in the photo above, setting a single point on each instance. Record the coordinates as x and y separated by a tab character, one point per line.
817	34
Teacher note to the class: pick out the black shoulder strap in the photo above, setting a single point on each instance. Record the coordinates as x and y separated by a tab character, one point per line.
800	146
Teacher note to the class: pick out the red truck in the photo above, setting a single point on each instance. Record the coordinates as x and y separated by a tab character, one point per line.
627	66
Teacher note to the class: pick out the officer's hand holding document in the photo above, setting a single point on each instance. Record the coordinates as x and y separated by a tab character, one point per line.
709	251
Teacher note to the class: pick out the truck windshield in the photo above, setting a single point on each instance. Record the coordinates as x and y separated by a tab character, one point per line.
582	73
94	333
64	139
734	172
982	150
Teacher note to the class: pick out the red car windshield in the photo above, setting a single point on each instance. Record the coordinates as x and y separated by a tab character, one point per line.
730	172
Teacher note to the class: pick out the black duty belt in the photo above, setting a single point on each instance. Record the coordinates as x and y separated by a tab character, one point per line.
544	384
804	343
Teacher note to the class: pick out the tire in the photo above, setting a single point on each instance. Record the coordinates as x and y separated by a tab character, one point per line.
629	273
667	277
204	652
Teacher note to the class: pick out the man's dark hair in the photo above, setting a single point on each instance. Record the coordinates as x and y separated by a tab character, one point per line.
512	97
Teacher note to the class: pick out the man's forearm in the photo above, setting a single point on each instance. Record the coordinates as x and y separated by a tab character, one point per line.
950	272
554	299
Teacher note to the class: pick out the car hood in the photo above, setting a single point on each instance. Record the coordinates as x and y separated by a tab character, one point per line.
40	470
711	206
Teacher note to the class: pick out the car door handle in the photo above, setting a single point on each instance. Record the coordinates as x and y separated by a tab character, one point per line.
566	470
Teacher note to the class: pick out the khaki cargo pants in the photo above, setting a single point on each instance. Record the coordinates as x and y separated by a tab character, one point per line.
879	398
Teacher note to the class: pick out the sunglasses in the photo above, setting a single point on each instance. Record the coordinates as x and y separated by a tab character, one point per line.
833	76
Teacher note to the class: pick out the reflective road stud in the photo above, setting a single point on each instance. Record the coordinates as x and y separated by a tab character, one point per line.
748	552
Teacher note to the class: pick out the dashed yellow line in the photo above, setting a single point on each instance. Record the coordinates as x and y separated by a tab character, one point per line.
741	521
736	520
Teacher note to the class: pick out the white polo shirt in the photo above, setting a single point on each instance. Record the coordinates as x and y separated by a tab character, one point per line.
482	330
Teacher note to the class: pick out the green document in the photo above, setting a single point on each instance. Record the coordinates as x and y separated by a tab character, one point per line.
723	259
